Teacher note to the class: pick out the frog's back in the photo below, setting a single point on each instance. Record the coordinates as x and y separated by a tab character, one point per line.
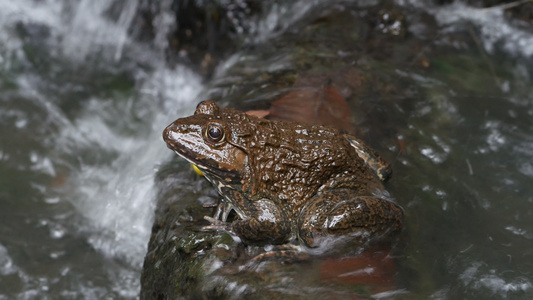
294	161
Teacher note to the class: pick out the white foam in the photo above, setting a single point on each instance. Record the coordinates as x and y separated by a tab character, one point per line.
78	28
479	278
279	18
117	197
88	31
494	27
6	263
109	150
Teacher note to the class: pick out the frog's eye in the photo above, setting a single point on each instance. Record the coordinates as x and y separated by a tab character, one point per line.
214	133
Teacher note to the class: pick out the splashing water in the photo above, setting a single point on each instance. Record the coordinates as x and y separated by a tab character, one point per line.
80	122
116	196
93	147
491	21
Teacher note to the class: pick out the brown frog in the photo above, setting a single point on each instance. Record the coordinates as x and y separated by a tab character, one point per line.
286	181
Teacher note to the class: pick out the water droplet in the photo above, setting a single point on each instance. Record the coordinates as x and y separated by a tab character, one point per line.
52	200
57	231
21	123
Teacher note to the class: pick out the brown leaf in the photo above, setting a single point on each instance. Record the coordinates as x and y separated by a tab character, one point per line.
373	267
258	113
313	105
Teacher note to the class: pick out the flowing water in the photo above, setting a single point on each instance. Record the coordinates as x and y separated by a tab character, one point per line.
80	142
82	107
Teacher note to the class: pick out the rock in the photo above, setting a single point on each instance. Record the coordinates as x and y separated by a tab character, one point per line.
331	52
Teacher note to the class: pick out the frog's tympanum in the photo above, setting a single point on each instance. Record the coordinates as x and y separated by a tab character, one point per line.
287	182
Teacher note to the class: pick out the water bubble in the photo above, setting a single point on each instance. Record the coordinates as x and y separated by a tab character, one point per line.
3	155
6	264
526	169
499	286
519	231
57	231
21	123
440	193
495	139
505	86
52	200
434	156
427	188
57	254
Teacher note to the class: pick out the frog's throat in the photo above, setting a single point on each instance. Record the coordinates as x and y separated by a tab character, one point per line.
227	175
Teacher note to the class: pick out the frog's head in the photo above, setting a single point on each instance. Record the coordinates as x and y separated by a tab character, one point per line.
205	140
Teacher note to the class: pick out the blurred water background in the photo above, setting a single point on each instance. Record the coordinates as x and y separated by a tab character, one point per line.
83	104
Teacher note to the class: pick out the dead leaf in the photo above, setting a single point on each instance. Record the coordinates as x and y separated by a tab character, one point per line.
314	105
258	113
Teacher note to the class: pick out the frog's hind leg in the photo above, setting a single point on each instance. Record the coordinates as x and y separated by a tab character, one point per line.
340	213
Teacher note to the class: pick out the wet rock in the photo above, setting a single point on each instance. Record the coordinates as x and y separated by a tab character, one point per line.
319	59
367	60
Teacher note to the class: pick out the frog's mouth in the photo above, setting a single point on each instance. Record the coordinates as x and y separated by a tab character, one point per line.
208	166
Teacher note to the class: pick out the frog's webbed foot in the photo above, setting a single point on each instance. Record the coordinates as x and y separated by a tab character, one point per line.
217	225
284	253
223	210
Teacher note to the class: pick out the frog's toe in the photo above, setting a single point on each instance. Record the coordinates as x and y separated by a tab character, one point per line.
216	225
281	255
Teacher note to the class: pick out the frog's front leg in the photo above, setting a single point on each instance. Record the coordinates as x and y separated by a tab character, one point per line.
266	224
343	213
262	222
223	210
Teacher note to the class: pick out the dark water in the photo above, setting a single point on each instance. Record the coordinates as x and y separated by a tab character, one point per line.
82	106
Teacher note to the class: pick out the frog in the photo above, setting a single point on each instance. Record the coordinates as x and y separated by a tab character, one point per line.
287	182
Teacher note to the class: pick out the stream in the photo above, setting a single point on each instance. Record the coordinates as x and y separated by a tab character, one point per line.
83	105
